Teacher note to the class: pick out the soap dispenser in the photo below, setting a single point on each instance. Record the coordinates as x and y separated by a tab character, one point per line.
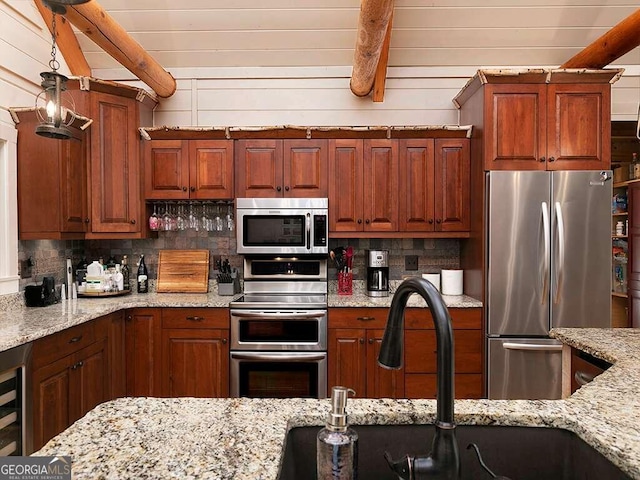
337	443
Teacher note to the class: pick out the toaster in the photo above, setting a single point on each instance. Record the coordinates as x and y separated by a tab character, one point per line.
41	295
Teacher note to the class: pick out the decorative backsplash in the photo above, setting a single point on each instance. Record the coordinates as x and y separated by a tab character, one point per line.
49	256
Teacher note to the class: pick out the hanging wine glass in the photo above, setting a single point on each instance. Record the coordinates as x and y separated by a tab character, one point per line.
153	220
181	221
230	224
166	219
218	219
193	218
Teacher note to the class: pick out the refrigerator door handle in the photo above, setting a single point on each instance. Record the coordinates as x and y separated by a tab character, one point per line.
532	346
560	262
544	207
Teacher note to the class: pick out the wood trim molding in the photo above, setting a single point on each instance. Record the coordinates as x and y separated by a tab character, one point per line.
374	19
621	39
380	79
92	20
66	41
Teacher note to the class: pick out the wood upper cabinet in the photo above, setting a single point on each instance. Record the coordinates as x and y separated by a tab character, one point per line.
281	168
195	352
116	200
143	352
188	169
434	181
557	126
355	335
52	183
363	193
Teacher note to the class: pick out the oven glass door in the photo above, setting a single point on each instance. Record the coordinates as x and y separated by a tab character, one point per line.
279	330
279	374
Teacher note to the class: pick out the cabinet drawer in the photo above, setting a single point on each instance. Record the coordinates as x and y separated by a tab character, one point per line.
467	385
358	317
461	318
53	347
420	351
195	318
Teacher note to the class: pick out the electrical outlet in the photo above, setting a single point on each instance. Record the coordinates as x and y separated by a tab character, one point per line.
411	262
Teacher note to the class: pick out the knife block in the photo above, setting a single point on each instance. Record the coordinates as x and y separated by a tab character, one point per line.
230	288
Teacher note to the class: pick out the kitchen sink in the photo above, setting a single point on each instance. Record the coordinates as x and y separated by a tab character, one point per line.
520	453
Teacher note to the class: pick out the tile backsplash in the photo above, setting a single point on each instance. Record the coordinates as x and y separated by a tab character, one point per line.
49	256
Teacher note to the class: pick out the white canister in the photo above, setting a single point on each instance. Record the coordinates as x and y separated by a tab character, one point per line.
434	278
452	282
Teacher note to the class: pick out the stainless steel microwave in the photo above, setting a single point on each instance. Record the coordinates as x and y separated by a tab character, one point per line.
296	226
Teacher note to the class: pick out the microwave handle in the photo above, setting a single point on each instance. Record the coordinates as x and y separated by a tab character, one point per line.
308	231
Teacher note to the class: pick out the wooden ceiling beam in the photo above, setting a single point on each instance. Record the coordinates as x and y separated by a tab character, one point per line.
92	20
374	19
621	39
380	79
66	42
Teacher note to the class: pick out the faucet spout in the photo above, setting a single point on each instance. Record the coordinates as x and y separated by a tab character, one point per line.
444	460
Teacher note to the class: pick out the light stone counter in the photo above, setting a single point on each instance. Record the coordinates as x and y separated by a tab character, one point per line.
243	438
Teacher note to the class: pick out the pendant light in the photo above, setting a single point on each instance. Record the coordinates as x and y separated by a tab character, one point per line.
60	6
58	112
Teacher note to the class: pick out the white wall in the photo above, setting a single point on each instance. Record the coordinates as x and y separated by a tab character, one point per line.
25	43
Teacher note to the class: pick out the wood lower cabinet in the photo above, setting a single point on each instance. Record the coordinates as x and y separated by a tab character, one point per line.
355	335
188	169
68	380
274	168
143	352
195	352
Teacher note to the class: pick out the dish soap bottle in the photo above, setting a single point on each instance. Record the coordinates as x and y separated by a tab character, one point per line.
337	443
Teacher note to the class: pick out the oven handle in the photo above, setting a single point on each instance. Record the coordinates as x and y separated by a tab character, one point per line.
278	314
266	357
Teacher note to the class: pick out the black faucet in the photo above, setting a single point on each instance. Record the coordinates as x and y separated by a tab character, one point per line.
444	460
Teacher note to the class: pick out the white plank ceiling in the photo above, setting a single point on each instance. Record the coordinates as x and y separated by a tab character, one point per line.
306	33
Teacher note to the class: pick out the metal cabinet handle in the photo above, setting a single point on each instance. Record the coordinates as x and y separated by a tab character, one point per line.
359	221
361	341
367	221
195	318
532	346
286	188
365	319
371	341
582	378
86	220
431	221
543	159
438	221
133	221
552	159
129	317
184	189
77	365
279	188
224	341
76	339
193	189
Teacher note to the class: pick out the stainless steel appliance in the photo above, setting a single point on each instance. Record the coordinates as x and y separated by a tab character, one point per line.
16	421
279	329
377	273
549	265
283	226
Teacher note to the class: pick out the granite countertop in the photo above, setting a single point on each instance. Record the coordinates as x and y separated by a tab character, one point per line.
20	325
243	438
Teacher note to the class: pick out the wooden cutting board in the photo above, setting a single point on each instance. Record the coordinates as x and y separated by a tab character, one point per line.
183	271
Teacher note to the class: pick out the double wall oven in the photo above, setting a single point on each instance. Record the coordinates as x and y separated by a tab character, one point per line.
279	326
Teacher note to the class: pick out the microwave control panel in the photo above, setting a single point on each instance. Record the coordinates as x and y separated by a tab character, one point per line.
319	230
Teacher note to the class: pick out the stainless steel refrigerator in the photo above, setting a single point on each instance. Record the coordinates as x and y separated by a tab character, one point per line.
549	265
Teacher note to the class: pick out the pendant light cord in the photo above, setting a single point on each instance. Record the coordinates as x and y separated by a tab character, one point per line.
53	63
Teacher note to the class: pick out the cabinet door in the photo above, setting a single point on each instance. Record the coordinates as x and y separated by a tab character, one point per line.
421	348
195	362
381	382
50	401
166	169
143	352
452	178
347	354
88	384
259	168
211	169
73	191
115	168
380	185
305	168
346	186
579	127
515	136
416	182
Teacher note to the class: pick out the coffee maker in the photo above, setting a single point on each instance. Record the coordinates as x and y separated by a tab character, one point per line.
378	273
